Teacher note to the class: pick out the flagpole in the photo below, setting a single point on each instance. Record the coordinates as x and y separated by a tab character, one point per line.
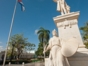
10	33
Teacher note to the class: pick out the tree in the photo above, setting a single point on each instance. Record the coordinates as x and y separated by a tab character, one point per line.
30	46
17	43
85	34
39	51
43	36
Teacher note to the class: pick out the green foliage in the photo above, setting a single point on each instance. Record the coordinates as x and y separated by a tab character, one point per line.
85	34
17	43
39	51
43	36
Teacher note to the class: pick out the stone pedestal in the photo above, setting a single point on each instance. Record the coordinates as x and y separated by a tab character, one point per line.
68	26
79	59
46	62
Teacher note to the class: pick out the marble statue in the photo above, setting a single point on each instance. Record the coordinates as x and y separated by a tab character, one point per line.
55	57
69	43
61	49
63	7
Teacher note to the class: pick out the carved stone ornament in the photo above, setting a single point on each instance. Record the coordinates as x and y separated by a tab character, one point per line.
67	23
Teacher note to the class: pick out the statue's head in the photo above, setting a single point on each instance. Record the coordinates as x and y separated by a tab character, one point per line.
54	32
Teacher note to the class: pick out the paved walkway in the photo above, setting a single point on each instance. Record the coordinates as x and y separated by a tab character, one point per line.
29	64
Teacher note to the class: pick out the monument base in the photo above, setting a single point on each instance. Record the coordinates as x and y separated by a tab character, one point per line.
68	27
79	59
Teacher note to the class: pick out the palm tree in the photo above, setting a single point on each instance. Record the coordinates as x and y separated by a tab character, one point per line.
43	35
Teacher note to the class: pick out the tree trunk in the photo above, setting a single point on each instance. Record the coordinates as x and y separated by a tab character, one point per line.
12	54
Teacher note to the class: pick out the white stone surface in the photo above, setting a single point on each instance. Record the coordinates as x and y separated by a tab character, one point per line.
46	62
55	57
62	6
78	59
69	47
68	27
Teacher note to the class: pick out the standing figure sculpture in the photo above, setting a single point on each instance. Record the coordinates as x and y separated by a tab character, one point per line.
56	58
63	7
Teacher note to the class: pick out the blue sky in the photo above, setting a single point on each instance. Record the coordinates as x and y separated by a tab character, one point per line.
38	13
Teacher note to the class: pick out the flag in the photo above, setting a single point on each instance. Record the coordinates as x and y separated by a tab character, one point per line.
22	5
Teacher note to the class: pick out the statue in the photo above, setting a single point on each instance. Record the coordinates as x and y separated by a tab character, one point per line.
56	58
62	7
59	50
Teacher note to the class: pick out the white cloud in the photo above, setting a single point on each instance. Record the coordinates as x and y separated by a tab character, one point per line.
1	48
36	31
31	51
